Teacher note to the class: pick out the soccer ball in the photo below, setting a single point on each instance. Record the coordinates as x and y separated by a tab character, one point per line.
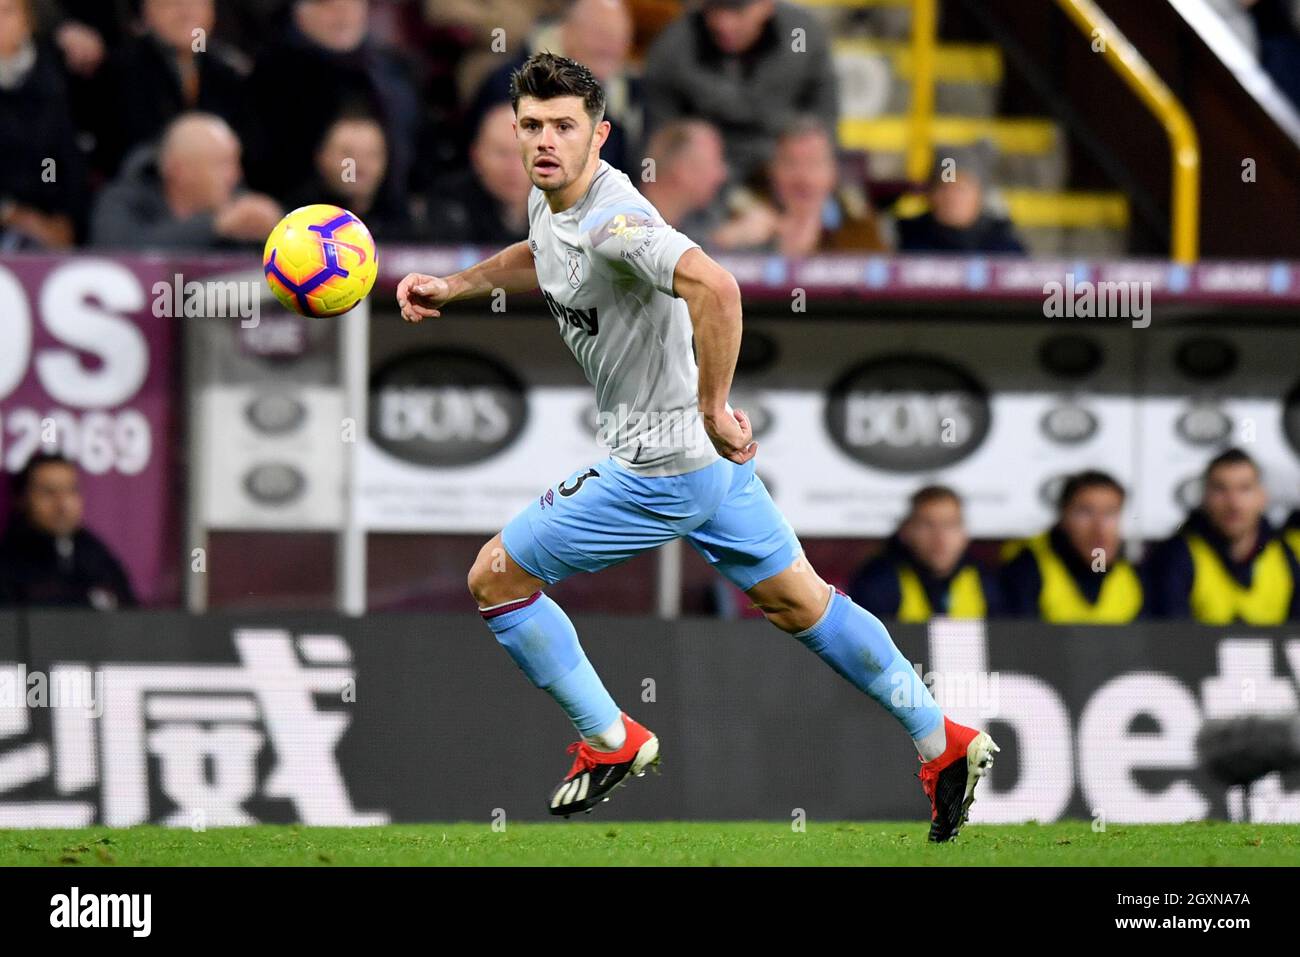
320	261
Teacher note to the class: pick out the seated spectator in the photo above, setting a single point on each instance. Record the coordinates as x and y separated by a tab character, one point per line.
1073	574
158	75
350	169
806	211
324	66
42	177
689	173
597	34
47	557
184	194
488	203
926	568
1226	563
957	221
732	63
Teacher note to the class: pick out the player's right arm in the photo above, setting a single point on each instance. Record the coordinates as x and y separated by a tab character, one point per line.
512	270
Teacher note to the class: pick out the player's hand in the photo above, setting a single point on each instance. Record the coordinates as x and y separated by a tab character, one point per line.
732	435
421	297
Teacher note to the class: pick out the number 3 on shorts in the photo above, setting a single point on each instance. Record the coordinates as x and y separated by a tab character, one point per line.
566	491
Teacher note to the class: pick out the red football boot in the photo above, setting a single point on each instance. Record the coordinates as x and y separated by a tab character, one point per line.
949	780
596	773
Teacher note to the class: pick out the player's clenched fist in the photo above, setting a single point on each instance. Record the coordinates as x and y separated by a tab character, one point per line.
421	297
732	435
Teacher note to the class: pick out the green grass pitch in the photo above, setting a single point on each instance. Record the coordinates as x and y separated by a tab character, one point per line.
661	843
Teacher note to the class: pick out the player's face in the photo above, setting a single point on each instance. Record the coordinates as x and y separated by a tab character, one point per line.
937	535
1091	521
54	503
556	139
1234	499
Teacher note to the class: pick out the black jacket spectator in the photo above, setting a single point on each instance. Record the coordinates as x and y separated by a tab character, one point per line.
387	221
296	91
37	570
142	88
462	211
40	165
878	587
988	234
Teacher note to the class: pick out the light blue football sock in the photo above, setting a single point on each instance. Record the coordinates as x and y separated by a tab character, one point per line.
542	641
853	641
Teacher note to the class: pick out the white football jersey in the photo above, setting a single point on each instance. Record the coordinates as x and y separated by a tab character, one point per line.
605	267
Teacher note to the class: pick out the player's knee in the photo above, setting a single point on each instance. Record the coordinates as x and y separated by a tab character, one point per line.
794	610
484	582
493	580
786	612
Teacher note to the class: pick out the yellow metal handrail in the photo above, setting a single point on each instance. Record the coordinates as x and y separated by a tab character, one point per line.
920	146
1124	59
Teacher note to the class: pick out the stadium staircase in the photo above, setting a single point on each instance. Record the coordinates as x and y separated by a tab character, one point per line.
1031	175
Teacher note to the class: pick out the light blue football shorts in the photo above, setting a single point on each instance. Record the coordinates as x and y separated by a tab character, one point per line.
606	514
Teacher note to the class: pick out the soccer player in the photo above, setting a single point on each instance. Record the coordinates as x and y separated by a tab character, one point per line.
627	291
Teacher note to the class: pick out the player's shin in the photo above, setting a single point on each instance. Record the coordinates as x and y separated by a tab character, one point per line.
854	642
544	644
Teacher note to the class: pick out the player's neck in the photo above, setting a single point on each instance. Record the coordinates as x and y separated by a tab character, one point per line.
561	199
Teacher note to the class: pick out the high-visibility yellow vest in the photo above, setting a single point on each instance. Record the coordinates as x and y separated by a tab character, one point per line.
1292	536
1219	599
965	595
1060	600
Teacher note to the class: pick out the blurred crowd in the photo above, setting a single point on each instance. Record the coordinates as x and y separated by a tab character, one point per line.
1225	564
190	124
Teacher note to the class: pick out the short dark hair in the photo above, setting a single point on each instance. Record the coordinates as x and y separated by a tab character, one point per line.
1232	456
23	478
545	76
931	493
1081	481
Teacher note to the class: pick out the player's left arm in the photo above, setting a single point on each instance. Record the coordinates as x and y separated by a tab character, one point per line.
713	298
